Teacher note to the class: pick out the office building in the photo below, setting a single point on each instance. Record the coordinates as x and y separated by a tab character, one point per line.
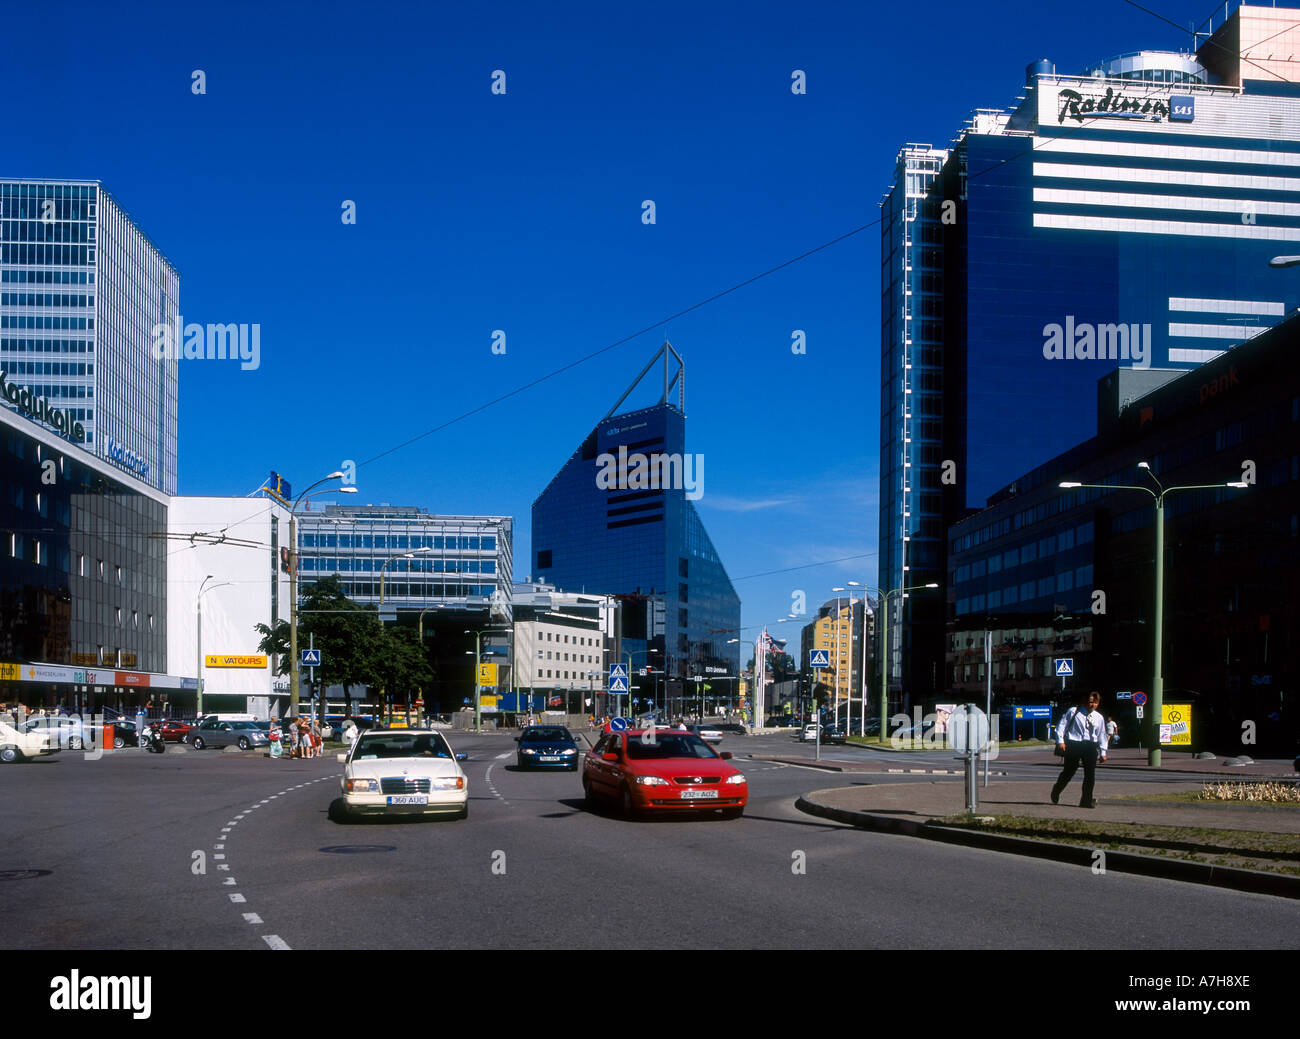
619	518
82	291
1069	573
1121	217
563	643
838	629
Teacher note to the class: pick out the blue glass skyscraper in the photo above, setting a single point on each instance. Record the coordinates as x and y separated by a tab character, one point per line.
1124	217
620	518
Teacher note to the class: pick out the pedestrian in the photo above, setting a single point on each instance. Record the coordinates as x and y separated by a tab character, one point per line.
1081	737
274	736
1112	733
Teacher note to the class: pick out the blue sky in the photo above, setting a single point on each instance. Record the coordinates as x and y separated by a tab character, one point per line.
523	212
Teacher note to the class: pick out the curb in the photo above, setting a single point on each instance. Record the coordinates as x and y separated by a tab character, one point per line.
1230	877
823	766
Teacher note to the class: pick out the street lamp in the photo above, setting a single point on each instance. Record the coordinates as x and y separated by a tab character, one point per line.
198	629
884	651
400	555
1157	677
293	585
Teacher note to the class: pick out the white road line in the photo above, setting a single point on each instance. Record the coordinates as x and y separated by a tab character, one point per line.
275	941
218	857
237	897
502	757
228	881
252	918
218	846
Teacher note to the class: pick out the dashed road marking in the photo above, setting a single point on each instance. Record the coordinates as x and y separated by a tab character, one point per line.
252	918
237	897
502	757
275	941
230	881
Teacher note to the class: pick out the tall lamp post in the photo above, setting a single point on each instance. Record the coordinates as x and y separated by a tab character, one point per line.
884	650
1157	675
293	586
198	631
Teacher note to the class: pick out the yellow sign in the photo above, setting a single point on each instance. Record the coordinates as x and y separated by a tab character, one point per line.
487	674
1176	724
8	672
490	701
216	660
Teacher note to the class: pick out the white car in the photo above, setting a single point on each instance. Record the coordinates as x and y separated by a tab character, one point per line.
18	746
706	734
404	772
809	734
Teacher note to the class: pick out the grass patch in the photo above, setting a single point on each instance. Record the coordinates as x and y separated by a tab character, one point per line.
1241	849
875	743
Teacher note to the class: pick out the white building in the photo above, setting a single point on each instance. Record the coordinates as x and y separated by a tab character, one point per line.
563	645
233	551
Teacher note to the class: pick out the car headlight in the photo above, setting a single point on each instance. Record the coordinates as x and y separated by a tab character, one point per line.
568	753
448	783
650	781
361	786
526	750
739	777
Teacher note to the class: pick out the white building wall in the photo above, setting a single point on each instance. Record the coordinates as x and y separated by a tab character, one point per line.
239	595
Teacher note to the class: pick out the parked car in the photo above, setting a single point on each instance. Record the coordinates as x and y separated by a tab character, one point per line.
808	734
68	732
174	731
669	771
125	734
16	746
406	772
547	746
213	733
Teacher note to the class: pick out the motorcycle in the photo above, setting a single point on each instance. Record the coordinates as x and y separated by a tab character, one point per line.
151	738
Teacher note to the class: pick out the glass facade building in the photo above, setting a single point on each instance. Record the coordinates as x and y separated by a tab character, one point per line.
1058	572
644	544
452	558
1121	218
81	292
82	581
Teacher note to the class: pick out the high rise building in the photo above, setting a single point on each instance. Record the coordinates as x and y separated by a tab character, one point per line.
81	293
1124	216
619	518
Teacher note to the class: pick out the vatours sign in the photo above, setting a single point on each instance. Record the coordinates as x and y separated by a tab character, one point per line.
41	410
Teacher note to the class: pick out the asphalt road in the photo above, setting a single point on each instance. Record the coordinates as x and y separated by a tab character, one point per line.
215	850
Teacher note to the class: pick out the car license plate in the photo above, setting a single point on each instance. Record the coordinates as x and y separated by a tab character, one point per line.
698	795
409	799
552	757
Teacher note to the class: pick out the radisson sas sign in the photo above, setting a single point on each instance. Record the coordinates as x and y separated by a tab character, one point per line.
38	409
1080	107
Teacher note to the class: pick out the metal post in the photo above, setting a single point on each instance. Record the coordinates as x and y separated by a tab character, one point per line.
293	613
478	699
198	605
972	787
988	694
1157	678
884	663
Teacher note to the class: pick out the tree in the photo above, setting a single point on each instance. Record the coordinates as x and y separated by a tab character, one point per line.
403	666
275	643
351	639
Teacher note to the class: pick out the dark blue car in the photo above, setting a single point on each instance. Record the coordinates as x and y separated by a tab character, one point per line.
547	746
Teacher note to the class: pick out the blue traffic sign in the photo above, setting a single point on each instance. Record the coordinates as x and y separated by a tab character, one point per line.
617	678
618	724
1065	667
311	658
819	658
1140	699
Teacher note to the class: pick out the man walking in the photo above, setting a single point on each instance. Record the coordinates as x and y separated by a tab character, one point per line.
1081	737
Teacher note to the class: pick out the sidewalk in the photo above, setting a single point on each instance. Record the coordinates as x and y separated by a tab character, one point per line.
916	808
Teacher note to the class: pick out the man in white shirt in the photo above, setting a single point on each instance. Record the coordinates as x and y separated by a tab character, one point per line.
1081	737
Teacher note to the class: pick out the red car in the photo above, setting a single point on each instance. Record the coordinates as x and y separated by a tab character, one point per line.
663	770
174	731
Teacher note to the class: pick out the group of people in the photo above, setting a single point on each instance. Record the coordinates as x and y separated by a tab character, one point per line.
300	739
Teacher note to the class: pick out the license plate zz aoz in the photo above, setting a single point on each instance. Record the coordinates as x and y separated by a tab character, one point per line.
549	758
698	795
409	799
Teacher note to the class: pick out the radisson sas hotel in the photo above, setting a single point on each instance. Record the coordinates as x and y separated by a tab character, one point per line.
104	571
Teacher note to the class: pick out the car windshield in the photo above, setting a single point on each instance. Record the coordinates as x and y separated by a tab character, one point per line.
402	745
547	735
668	745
